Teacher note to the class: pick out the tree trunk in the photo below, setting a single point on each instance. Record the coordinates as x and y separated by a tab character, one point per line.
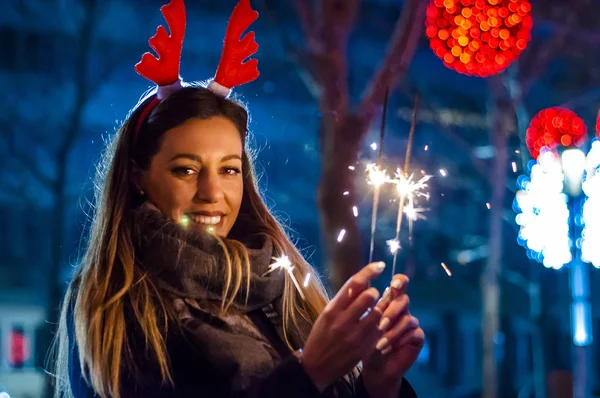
499	116
344	130
339	151
82	95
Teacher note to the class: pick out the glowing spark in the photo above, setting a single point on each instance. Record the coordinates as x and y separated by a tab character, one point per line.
341	235
426	147
351	167
394	245
443	172
375	177
306	280
346	193
408	190
374	146
355	211
488	205
185	221
285	264
514	167
446	269
517	151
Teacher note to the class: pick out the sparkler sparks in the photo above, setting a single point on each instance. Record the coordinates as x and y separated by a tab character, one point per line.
394	245
445	267
408	190
284	263
185	221
355	211
341	235
374	146
376	177
306	280
443	172
514	167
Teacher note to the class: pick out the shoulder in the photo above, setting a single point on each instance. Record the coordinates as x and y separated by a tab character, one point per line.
78	384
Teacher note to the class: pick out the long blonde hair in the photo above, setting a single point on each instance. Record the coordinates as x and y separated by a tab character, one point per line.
109	281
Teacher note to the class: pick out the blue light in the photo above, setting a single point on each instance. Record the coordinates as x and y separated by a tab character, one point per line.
581	315
542	212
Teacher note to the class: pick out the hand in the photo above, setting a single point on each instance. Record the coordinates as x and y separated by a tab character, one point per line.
399	346
341	336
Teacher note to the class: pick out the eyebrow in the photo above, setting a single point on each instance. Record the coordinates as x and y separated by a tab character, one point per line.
198	159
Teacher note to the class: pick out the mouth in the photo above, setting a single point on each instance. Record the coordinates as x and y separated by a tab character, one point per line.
208	220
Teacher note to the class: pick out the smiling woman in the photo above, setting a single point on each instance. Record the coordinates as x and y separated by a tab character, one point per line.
197	174
176	295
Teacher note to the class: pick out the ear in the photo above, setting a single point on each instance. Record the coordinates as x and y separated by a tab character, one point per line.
136	177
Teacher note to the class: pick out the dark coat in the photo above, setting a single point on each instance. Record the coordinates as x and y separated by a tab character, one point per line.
238	355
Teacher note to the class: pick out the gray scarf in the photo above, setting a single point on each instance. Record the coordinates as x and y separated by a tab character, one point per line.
188	265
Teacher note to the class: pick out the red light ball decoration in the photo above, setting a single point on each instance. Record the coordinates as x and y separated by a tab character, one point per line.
553	127
598	125
478	37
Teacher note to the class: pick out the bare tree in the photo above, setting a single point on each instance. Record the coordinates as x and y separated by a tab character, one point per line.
500	113
51	173
327	26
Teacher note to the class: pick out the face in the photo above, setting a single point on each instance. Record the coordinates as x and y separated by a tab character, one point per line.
196	177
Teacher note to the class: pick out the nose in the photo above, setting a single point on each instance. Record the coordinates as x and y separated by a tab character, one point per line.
209	189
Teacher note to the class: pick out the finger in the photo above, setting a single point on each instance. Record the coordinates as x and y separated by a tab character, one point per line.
415	337
404	326
394	311
357	284
365	301
399	284
384	301
370	319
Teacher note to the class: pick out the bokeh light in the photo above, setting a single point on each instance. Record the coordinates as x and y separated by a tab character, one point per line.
554	127
478	37
543	214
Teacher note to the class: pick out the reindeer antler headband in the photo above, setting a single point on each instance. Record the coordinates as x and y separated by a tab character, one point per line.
231	72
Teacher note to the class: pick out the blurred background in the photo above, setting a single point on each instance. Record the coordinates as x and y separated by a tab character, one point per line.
502	318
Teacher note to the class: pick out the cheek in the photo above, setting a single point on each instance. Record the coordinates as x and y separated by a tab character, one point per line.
235	194
170	195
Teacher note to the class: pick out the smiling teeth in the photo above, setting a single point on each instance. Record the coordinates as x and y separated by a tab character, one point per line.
207	220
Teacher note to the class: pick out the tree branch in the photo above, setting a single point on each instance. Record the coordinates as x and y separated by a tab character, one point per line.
329	54
104	75
463	144
400	53
26	160
299	59
307	21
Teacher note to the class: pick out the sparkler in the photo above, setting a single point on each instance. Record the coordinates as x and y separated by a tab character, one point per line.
407	190
284	263
377	177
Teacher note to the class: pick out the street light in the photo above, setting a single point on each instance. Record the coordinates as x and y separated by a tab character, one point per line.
558	227
573	166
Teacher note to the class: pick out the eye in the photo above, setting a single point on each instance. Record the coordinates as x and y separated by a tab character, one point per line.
183	171
233	171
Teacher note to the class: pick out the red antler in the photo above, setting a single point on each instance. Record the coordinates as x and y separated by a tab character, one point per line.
164	70
232	70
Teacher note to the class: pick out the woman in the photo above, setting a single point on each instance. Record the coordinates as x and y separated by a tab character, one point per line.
177	295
